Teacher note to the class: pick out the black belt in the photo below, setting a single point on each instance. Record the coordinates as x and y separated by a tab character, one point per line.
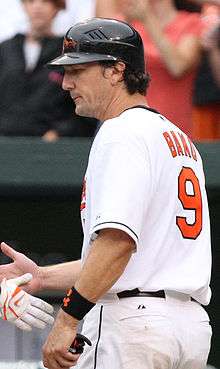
136	292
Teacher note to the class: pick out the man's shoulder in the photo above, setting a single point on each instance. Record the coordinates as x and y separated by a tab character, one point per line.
131	125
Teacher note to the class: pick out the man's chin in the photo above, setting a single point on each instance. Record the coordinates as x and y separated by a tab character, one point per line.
83	113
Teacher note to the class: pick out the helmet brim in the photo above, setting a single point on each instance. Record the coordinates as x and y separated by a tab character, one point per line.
79	58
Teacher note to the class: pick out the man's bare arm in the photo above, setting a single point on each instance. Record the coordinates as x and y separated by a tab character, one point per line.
108	257
57	277
60	276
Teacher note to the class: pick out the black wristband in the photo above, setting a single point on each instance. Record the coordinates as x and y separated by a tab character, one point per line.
76	305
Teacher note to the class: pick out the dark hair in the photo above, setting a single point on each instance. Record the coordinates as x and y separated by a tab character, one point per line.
188	5
135	81
60	4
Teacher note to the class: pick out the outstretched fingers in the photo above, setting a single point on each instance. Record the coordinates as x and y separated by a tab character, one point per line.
8	250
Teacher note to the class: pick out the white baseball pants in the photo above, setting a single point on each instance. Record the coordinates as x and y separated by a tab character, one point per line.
146	333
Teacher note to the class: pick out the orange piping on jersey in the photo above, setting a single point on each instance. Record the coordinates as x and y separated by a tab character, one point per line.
83	196
83	206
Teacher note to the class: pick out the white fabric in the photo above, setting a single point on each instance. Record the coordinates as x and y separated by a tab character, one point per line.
14	20
146	333
76	11
32	52
22	309
131	184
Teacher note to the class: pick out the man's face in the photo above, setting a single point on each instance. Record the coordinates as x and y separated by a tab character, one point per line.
89	89
40	13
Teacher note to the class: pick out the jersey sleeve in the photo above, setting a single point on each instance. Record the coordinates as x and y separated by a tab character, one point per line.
120	187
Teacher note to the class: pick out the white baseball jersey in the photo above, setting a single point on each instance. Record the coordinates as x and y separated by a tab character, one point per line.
145	177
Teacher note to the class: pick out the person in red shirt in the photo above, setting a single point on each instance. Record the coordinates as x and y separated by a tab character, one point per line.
172	50
206	109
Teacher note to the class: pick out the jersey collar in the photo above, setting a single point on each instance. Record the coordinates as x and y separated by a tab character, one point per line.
143	107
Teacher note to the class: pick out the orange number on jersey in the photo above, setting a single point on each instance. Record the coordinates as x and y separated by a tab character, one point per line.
192	201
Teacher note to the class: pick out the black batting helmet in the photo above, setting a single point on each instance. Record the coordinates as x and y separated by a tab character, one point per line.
102	39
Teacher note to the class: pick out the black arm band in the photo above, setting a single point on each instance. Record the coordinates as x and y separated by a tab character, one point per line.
76	305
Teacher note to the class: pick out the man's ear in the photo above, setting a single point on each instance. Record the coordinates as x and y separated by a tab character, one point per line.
115	73
120	68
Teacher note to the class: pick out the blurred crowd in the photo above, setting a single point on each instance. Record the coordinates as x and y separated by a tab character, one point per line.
182	50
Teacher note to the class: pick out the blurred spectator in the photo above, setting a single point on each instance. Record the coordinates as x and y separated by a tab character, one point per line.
14	20
171	38
76	11
107	8
32	101
206	111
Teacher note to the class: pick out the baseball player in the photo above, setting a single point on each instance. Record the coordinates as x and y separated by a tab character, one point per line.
146	257
22	309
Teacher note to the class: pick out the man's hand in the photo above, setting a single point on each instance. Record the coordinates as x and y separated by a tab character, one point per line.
22	309
55	350
21	264
139	10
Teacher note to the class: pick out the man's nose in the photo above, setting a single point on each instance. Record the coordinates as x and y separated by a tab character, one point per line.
68	83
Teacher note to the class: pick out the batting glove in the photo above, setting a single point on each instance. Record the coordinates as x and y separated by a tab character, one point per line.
22	309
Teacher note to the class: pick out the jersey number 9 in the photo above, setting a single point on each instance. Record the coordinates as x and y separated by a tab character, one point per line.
193	201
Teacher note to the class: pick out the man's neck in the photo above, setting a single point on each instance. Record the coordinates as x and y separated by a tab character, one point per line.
122	103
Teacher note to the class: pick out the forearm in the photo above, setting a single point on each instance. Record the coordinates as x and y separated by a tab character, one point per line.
179	59
61	276
105	263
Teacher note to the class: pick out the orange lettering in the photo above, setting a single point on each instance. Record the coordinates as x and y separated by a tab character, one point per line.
193	150
179	147
185	146
170	143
